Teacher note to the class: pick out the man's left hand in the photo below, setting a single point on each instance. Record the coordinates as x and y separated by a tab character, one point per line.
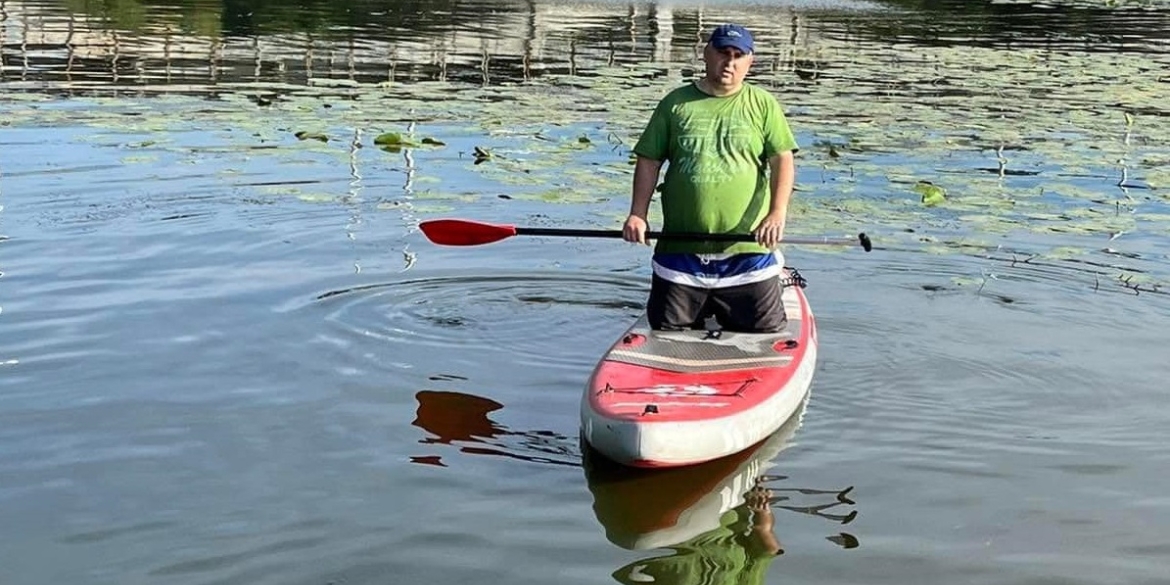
770	231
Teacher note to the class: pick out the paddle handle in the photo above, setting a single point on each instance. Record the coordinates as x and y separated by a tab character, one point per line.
861	240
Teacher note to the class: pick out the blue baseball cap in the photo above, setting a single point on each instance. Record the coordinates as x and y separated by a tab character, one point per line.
734	36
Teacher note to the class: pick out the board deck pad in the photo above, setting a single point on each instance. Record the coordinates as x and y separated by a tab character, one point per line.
699	350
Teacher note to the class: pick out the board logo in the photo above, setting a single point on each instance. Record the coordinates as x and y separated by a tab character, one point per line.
686	390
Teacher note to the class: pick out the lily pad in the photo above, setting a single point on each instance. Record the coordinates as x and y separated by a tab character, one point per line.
303	135
931	194
392	139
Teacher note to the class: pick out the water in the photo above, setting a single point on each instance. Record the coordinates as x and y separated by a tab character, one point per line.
227	355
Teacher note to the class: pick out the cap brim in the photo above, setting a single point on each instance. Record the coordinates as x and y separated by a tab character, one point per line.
733	45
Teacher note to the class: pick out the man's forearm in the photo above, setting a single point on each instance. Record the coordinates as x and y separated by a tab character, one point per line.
781	179
767	539
645	181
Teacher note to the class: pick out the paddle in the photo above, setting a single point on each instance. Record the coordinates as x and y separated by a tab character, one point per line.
462	232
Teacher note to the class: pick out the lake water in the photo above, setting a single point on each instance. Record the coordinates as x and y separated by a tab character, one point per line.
227	355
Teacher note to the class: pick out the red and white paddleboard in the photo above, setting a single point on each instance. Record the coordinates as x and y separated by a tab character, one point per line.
672	398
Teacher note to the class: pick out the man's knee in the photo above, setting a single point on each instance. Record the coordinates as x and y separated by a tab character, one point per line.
771	323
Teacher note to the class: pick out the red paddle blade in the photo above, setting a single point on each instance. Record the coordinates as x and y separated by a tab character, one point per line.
462	232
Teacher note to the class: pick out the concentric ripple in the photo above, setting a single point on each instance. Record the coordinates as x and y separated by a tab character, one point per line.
516	314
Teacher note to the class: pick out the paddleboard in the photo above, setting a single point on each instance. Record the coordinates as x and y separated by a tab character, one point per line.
674	398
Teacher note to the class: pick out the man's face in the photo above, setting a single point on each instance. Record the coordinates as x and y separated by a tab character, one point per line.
727	66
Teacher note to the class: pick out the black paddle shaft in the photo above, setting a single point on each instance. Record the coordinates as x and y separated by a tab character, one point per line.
862	239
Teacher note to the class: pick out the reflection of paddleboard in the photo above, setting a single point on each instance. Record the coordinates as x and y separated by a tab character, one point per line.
644	508
673	398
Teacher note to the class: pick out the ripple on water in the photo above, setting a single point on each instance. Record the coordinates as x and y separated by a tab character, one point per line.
515	314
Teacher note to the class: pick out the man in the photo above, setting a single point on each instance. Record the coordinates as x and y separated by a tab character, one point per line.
731	171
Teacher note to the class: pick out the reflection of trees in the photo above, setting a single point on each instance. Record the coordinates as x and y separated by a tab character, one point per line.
322	18
197	42
1090	24
955	20
199	17
253	17
207	42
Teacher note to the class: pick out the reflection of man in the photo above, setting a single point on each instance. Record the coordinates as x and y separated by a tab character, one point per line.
738	552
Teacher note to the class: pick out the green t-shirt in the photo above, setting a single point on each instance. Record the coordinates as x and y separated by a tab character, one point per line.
717	150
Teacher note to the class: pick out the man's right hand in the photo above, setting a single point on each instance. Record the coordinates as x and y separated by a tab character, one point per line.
635	229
